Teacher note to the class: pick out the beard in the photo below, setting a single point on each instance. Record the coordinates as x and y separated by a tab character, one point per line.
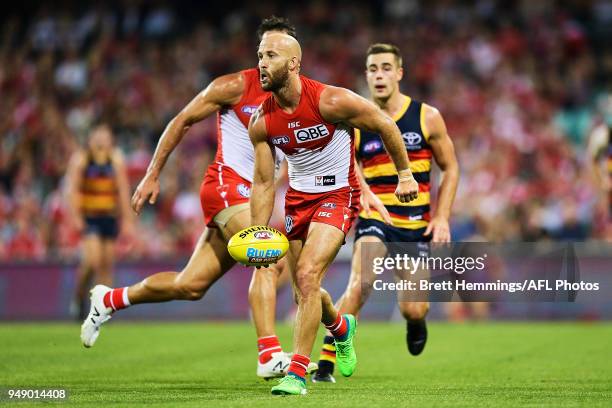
277	79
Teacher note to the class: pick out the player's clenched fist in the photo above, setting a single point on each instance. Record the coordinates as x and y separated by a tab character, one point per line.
407	187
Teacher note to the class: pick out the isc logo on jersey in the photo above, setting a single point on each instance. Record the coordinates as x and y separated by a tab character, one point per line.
311	133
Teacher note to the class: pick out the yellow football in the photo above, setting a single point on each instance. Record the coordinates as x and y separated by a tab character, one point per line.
258	245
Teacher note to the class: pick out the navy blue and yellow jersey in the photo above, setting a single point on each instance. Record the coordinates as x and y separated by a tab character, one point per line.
379	170
99	193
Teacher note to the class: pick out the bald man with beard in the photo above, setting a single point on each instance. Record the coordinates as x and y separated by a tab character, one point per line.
224	197
312	124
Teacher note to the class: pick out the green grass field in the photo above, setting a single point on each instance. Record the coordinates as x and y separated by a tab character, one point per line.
208	364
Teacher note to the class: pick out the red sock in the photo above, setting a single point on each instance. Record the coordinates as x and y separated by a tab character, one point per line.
339	328
266	346
298	366
117	299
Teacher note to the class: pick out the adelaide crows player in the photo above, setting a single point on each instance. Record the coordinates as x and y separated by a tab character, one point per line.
98	195
425	137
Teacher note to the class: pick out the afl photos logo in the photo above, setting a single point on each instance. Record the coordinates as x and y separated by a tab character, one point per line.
412	140
288	223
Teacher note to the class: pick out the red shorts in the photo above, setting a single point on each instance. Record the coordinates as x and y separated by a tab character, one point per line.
222	188
338	208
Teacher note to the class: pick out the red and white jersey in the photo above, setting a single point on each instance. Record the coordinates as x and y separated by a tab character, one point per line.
234	148
319	153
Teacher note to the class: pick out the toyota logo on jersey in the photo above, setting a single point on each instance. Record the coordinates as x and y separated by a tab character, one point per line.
412	140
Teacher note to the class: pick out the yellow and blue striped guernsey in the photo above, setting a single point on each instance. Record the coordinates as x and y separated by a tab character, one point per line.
381	175
99	193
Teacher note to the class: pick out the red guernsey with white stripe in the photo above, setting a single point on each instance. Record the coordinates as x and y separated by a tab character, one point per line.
234	148
320	155
228	179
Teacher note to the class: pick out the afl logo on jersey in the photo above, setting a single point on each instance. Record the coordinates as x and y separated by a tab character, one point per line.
412	140
244	190
372	146
249	109
288	224
280	140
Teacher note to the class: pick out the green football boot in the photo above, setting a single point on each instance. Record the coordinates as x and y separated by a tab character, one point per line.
289	385
346	359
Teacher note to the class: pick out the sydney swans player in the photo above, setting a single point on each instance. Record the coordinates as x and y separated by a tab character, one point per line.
224	194
425	136
311	123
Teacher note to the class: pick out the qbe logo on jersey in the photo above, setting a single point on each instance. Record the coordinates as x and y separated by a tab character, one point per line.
311	133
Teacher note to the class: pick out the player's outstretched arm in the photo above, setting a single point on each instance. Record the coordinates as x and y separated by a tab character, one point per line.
262	192
444	155
341	105
596	147
123	190
74	177
223	91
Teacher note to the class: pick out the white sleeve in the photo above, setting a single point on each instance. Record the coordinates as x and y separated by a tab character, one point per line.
598	140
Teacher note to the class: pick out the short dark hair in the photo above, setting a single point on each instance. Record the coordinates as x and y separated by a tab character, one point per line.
383	48
275	23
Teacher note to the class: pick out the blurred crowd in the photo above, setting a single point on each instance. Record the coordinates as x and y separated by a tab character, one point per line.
519	83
